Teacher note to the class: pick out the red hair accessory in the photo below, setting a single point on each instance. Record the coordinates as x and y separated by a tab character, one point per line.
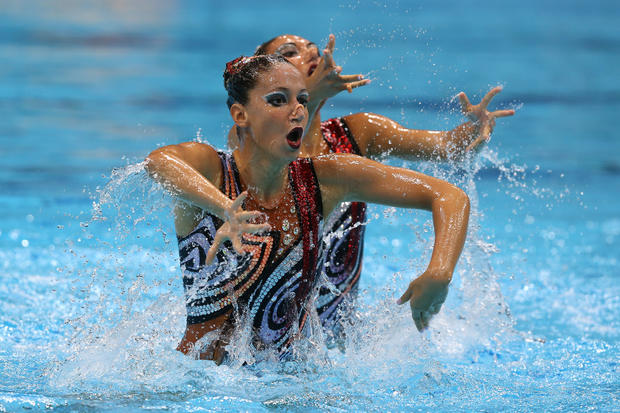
234	66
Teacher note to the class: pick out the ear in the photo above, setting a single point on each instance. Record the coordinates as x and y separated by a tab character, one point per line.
239	115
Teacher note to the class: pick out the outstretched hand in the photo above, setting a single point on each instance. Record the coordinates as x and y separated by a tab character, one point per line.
484	119
426	294
237	223
326	81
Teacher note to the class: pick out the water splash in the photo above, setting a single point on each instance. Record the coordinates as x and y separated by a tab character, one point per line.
131	312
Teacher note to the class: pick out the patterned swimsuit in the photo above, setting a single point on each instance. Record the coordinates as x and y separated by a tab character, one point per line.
343	240
272	283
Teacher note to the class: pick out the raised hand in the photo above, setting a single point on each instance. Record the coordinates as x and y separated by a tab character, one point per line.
484	119
238	222
426	294
326	81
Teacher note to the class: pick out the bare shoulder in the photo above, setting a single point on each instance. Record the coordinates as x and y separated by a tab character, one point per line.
362	126
188	150
196	150
357	120
200	156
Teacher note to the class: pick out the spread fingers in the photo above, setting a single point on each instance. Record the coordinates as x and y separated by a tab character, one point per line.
465	105
487	98
503	113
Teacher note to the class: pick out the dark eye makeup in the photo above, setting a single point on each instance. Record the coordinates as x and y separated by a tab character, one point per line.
303	98
276	98
287	50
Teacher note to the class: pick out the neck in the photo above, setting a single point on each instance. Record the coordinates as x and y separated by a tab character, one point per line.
263	175
313	139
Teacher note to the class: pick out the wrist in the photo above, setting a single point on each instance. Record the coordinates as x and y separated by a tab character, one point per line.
222	208
441	275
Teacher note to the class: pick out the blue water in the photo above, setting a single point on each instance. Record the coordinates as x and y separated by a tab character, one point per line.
90	294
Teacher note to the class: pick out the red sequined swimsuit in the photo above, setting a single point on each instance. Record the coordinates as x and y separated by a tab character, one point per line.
343	238
271	286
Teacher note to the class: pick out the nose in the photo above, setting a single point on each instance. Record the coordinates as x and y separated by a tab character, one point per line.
299	113
312	53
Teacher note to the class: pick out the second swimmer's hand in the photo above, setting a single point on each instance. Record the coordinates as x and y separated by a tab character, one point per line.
426	294
326	81
237	223
481	117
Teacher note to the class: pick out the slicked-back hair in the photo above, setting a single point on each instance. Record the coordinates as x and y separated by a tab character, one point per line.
243	78
262	49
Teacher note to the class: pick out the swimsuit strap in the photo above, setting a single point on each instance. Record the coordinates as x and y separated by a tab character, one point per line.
307	196
230	175
339	137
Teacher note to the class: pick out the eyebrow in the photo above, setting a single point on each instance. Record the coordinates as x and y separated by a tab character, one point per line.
310	44
284	90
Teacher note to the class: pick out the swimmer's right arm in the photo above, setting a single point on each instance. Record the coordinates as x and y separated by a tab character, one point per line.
191	171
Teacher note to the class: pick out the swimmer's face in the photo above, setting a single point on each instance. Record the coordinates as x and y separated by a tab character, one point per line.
276	112
302	53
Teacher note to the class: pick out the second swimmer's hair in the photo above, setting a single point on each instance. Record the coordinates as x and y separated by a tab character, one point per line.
241	74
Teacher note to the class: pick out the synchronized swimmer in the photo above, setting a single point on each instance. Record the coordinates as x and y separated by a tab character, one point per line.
266	214
369	135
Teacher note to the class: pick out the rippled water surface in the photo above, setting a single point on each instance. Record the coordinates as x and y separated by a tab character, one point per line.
91	304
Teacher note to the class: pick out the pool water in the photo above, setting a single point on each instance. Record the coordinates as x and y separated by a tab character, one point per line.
91	304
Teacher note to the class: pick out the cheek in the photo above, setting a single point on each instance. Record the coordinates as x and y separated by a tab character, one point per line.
275	120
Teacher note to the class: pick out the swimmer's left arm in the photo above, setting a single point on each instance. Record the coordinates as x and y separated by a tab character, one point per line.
346	177
378	135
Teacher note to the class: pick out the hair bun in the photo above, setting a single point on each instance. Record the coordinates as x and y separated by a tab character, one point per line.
234	66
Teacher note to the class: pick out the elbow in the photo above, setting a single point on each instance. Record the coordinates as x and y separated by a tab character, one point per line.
153	161
463	200
462	203
457	201
156	160
463	208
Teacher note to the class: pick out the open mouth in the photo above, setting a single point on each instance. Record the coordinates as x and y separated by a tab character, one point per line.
313	67
293	138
